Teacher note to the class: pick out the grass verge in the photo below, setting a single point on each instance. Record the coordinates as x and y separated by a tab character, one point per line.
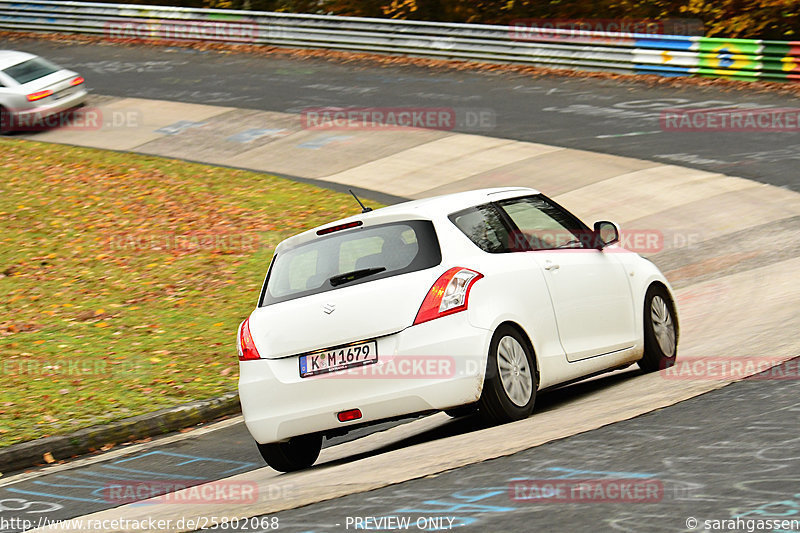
123	279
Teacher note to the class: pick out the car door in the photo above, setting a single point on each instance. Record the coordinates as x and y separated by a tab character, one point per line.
590	292
518	293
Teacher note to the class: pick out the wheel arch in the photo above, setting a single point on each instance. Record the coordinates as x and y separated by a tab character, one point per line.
528	342
657	283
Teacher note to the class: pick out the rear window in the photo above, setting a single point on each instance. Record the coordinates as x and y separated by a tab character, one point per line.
351	257
31	70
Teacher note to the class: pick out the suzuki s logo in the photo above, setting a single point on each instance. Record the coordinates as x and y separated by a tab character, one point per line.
329	308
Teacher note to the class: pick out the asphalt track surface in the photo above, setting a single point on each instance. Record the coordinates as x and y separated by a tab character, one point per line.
607	116
727	455
72	492
724	454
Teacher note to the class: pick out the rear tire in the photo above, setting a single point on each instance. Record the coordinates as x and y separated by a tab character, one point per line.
509	389
660	330
295	454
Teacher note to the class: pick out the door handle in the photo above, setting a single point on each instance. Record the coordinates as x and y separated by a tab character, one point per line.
549	265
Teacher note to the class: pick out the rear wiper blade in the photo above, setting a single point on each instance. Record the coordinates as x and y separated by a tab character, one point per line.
347	277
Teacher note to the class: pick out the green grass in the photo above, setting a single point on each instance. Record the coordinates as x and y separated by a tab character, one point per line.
123	279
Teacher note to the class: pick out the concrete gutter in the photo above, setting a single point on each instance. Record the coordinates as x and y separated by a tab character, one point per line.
31	453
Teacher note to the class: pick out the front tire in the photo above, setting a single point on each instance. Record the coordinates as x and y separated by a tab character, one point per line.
509	390
660	330
297	453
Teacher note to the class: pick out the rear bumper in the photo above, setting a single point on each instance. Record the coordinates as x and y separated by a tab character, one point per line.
36	118
431	366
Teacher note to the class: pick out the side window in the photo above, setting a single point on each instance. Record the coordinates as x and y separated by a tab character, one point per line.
544	226
484	227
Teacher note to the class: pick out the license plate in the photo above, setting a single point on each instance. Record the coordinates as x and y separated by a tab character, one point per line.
63	94
363	353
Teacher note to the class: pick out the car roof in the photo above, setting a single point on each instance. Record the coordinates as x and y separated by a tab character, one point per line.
426	208
449	203
10	58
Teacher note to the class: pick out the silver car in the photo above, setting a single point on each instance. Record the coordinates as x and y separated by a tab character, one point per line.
34	90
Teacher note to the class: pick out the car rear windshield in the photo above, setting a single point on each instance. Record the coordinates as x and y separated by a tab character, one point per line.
351	257
31	70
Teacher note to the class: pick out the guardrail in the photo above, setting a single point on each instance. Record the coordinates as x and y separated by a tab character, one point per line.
666	55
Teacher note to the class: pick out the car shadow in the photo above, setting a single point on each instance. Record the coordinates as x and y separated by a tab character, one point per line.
546	401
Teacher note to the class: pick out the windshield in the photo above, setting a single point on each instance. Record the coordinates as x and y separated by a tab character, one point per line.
351	257
31	70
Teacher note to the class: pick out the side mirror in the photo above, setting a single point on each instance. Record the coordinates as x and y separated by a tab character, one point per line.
605	234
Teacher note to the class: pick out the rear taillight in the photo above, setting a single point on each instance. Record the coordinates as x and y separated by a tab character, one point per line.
450	294
77	81
244	343
39	95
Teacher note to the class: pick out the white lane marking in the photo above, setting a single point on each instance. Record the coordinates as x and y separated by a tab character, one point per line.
631	134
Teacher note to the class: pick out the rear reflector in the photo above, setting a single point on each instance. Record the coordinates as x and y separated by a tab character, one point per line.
346	416
77	81
244	343
39	95
325	231
450	294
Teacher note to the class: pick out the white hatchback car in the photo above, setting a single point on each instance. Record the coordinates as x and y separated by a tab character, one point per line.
33	89
470	301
